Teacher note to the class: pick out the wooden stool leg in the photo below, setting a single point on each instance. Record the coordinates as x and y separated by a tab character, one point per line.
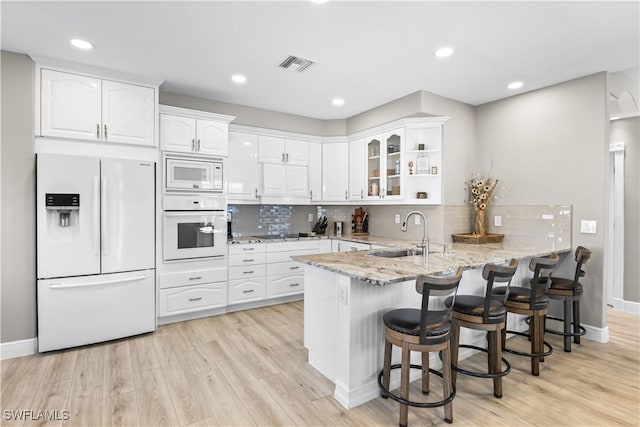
425	372
503	334
386	369
535	339
404	384
567	325
576	321
455	342
446	381
495	351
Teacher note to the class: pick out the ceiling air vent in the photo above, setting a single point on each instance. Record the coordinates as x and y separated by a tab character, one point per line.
295	63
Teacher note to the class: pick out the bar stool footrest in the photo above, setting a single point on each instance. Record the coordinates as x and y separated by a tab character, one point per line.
582	332
482	374
387	393
521	353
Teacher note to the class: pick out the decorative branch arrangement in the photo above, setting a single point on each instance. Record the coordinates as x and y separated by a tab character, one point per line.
481	191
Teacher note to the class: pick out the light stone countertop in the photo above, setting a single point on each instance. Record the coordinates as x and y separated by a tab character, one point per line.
363	265
374	240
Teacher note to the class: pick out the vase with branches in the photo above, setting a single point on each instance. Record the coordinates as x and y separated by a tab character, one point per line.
481	191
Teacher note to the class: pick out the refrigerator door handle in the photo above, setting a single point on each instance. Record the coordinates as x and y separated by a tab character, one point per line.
106	282
105	219
96	215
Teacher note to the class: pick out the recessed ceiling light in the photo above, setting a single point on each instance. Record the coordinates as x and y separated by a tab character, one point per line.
515	85
318	1
81	44
443	52
337	102
238	78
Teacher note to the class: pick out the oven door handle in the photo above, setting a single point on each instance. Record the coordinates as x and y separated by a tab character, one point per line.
195	213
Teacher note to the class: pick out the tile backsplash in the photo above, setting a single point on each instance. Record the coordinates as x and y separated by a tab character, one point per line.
542	225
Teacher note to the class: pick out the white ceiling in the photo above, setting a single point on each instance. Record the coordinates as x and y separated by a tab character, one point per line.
368	53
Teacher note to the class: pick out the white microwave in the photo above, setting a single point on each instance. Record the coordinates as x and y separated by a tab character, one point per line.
193	174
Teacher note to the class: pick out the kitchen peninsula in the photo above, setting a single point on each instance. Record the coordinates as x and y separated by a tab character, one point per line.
346	295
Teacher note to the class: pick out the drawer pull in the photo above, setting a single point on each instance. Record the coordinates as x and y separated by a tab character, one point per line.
248	249
248	272
294	284
248	291
294	268
195	278
195	299
248	260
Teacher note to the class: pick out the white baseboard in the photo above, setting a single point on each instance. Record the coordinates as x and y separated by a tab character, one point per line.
600	335
631	307
9	350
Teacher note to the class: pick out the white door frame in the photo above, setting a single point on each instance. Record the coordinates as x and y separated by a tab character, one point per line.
615	240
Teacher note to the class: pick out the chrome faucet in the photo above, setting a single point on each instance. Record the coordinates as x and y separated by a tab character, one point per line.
425	241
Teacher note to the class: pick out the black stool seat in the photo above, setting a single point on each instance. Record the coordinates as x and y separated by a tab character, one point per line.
521	295
561	287
473	305
407	321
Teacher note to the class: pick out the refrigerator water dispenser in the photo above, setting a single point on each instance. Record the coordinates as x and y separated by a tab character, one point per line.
63	206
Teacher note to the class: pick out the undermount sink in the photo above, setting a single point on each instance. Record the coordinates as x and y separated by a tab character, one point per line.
398	254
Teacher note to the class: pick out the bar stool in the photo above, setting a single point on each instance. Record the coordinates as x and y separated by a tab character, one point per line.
424	330
532	302
486	313
570	292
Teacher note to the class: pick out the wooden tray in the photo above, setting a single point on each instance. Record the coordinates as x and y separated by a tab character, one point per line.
354	234
476	240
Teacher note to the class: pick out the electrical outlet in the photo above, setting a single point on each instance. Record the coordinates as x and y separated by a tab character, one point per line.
416	220
588	227
310	217
397	218
497	221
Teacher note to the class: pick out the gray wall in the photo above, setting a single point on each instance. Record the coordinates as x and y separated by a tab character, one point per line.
628	131
18	200
550	146
251	116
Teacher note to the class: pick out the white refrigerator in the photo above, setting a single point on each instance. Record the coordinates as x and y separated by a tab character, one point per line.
95	249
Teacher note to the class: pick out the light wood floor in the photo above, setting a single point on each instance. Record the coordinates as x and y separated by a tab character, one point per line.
249	368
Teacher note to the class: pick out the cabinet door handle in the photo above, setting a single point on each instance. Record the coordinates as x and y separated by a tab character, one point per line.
248	272
294	268
346	194
294	284
282	157
248	291
361	193
248	260
98	130
256	193
105	131
287	160
248	249
310	194
382	193
195	278
195	299
198	146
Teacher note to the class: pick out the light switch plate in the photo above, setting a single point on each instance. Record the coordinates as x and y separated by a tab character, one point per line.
416	220
310	217
588	226
397	218
497	221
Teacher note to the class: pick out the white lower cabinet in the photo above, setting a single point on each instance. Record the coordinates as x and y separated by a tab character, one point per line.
347	246
247	273
185	299
246	290
285	284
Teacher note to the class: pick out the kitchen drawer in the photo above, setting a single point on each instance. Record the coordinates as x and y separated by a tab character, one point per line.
247	259
192	277
246	290
192	298
295	245
246	271
286	256
248	248
278	268
288	284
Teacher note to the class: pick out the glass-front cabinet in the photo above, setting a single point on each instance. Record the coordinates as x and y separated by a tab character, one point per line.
385	166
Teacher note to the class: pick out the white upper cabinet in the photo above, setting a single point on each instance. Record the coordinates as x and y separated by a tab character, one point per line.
335	171
274	180
82	107
190	131
242	167
128	113
297	181
357	186
70	106
315	171
279	150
